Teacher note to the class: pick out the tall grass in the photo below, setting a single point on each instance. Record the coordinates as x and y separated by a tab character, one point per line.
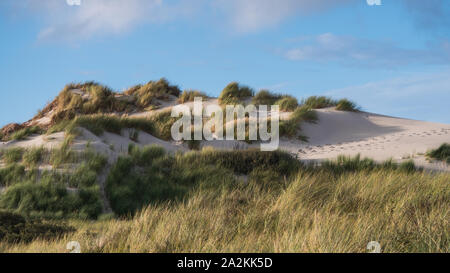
442	153
312	212
234	93
190	95
24	133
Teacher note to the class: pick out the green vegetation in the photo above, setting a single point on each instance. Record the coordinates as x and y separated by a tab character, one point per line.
290	127
287	103
315	102
189	95
98	124
337	207
44	193
87	98
234	93
346	105
150	176
146	94
442	153
265	97
25	132
14	228
12	155
34	156
162	122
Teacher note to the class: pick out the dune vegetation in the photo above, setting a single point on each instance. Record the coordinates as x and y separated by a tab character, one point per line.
247	201
442	153
150	200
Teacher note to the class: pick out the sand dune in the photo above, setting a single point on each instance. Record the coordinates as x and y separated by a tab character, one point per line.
371	135
336	133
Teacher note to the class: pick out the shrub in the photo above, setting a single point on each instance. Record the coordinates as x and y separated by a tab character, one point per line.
442	153
346	105
287	103
189	95
233	93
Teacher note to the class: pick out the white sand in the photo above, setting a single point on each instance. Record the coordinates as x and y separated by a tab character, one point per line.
374	136
336	133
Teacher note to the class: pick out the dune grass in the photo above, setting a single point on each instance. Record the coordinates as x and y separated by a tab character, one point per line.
147	93
313	210
318	102
287	103
190	95
290	127
442	153
44	194
26	132
14	228
234	93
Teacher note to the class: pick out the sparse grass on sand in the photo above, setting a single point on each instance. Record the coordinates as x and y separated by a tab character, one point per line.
316	102
442	153
24	133
290	127
190	95
339	208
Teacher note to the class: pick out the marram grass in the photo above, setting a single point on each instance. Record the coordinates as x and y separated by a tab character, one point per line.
315	212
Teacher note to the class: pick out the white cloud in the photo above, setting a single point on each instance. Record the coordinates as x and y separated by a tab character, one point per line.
419	96
353	51
100	17
94	17
251	15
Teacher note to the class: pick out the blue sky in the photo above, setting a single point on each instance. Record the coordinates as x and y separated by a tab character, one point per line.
392	58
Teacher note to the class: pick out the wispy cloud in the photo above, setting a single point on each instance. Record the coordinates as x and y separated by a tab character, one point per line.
353	51
252	15
428	92
94	17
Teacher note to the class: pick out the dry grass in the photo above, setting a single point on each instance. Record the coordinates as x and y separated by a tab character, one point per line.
315	212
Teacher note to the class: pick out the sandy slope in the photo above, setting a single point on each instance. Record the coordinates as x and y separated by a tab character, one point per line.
374	136
336	133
